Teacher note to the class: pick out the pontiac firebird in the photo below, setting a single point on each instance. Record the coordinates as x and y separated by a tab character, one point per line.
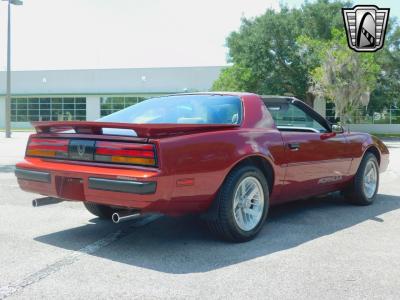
226	156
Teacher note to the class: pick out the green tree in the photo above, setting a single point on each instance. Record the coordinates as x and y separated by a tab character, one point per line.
344	76
234	78
386	93
266	49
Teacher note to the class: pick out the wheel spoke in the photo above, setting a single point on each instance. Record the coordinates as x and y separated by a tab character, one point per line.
248	203
242	192
370	179
251	212
249	188
252	194
243	216
238	214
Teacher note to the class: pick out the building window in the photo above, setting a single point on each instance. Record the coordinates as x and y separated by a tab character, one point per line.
110	105
48	109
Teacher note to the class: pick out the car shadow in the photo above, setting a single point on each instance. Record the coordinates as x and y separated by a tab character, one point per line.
184	245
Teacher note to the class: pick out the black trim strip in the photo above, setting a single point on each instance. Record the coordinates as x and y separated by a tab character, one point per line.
123	186
33	175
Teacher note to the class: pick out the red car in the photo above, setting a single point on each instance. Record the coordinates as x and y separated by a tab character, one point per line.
228	156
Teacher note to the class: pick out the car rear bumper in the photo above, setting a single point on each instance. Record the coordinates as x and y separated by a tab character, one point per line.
95	183
147	190
122	186
33	175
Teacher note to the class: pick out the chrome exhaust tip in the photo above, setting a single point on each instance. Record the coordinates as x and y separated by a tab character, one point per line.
45	201
123	216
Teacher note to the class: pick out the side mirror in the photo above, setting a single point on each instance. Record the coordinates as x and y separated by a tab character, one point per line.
336	128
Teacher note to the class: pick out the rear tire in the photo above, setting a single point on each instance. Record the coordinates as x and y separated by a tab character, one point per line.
241	206
366	182
101	211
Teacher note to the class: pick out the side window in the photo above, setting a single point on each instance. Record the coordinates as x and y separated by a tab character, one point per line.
289	117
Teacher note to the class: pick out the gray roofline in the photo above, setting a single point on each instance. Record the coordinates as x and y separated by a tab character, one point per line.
88	94
113	69
126	81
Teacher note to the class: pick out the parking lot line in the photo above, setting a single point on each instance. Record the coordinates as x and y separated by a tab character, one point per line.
74	256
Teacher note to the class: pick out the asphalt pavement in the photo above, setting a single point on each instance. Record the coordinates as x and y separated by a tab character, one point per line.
312	249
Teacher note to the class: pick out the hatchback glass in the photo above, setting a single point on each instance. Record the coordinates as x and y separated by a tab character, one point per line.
183	109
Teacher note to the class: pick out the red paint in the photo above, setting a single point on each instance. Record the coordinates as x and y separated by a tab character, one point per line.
142	130
328	135
193	160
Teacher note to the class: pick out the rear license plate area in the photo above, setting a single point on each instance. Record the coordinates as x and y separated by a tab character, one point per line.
70	188
81	150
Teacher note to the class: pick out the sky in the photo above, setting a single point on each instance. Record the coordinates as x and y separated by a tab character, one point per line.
91	34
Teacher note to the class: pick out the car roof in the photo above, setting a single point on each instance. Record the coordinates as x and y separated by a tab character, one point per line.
275	98
239	94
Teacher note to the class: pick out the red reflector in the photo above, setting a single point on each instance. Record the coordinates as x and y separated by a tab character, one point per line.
185	182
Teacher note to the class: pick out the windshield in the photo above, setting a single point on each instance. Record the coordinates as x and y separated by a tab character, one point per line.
182	109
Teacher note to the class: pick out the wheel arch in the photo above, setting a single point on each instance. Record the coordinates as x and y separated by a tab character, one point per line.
256	160
373	150
261	163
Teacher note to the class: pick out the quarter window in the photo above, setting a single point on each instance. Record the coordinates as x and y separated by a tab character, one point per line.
289	117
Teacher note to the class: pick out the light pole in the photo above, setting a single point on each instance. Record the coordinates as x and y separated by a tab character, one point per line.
8	93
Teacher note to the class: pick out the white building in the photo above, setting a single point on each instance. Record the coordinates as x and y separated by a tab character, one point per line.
90	94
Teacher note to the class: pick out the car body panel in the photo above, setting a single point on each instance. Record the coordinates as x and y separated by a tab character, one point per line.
194	160
318	162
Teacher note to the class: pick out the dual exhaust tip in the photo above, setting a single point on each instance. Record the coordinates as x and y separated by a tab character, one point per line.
117	217
123	216
45	201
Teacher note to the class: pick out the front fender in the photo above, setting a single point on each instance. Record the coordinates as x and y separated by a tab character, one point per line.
383	151
360	143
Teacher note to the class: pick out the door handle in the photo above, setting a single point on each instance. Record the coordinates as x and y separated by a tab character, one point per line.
294	146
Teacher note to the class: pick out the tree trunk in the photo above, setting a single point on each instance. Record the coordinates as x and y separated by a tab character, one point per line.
310	97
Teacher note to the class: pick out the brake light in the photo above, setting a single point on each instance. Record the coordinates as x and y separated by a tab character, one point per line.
127	153
100	151
47	148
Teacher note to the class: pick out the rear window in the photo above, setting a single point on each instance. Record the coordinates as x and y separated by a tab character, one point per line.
184	109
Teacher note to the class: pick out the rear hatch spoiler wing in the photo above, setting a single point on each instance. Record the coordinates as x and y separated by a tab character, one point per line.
141	130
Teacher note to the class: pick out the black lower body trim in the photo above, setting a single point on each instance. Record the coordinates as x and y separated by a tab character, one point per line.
33	175
122	186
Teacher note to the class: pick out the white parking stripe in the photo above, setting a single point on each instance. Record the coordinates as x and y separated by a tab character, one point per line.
71	258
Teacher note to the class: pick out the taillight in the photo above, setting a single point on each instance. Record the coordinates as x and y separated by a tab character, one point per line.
126	153
89	150
47	148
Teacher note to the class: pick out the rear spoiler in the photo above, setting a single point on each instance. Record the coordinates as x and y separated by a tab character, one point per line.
142	130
